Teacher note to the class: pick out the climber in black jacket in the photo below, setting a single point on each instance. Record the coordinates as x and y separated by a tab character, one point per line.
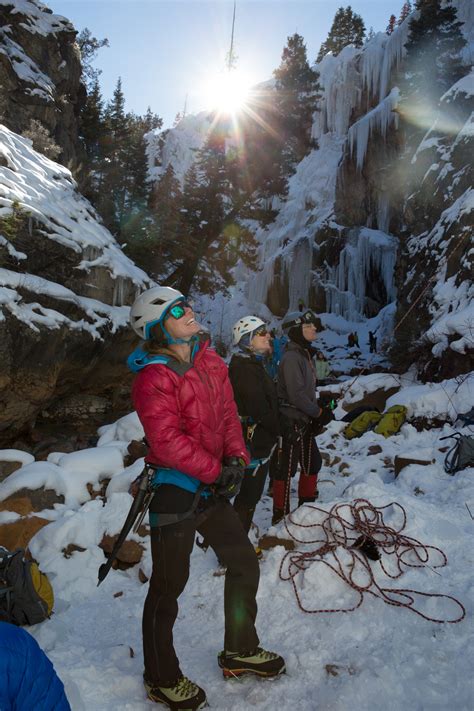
256	398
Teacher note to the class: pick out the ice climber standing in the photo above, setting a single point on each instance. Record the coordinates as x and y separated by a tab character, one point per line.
197	456
257	403
300	416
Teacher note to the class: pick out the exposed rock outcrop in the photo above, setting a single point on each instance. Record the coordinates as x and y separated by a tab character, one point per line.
40	72
64	286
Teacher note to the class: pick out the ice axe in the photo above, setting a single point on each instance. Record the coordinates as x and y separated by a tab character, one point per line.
139	506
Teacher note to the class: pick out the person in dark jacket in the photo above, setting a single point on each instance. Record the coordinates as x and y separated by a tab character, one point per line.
372	342
300	414
28	681
257	403
197	455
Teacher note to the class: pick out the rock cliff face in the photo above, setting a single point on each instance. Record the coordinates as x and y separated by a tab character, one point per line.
40	72
64	288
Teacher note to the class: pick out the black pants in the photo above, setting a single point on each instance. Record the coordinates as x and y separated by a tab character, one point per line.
250	494
171	548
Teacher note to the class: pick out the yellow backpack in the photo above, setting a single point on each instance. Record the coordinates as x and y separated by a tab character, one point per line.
26	594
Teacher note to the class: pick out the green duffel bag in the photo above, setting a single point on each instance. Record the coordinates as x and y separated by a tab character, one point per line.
364	422
391	421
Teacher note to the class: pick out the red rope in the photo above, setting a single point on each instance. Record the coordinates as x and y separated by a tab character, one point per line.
342	526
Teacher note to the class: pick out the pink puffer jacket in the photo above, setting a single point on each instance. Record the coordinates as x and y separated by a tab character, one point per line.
190	421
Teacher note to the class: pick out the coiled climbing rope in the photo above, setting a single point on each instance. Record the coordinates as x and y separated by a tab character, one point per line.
347	536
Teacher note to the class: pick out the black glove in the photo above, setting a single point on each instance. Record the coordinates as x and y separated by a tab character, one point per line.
324	418
230	479
292	429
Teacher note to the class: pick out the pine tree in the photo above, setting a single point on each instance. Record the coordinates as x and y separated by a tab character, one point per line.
296	97
166	203
153	236
370	34
151	120
405	11
433	50
347	28
391	24
211	238
91	124
89	46
116	117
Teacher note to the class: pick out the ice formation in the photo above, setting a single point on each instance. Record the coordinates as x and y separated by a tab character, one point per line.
366	252
380	119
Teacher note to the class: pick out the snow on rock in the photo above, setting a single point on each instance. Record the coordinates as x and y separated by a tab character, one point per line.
16	455
125	429
68	475
463	86
452	315
177	146
37	18
33	315
48	192
446	399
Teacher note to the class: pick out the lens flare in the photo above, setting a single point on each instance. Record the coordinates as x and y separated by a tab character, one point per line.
228	92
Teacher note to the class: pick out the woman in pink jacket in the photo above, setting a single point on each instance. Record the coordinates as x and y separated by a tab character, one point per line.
185	403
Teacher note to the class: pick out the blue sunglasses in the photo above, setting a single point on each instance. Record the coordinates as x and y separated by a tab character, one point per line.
178	310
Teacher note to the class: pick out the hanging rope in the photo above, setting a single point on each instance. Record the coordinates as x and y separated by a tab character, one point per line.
350	534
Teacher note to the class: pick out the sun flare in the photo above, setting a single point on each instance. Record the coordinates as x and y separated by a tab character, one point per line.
228	92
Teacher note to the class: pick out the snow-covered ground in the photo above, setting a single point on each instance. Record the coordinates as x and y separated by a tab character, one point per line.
376	657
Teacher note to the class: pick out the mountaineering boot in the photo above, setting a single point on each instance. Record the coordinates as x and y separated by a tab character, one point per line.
185	695
278	515
259	662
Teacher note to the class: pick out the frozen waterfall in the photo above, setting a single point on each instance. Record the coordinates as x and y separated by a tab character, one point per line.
368	255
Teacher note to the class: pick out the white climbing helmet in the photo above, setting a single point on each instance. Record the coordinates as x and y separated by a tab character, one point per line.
244	325
150	307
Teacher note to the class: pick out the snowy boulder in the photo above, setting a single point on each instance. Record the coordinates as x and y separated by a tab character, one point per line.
68	475
13	459
19	533
26	500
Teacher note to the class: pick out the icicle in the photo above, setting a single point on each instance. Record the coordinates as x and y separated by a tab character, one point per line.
118	298
383	212
299	273
340	78
366	251
381	55
379	119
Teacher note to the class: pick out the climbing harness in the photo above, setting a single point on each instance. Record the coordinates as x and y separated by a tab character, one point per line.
346	535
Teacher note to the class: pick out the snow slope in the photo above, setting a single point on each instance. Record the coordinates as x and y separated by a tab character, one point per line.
376	657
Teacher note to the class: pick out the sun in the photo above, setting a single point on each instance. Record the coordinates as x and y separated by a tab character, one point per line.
228	91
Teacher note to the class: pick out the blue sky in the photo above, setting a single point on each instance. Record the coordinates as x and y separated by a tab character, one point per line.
166	50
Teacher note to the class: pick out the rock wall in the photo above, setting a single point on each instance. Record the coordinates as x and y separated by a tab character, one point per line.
40	72
64	288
